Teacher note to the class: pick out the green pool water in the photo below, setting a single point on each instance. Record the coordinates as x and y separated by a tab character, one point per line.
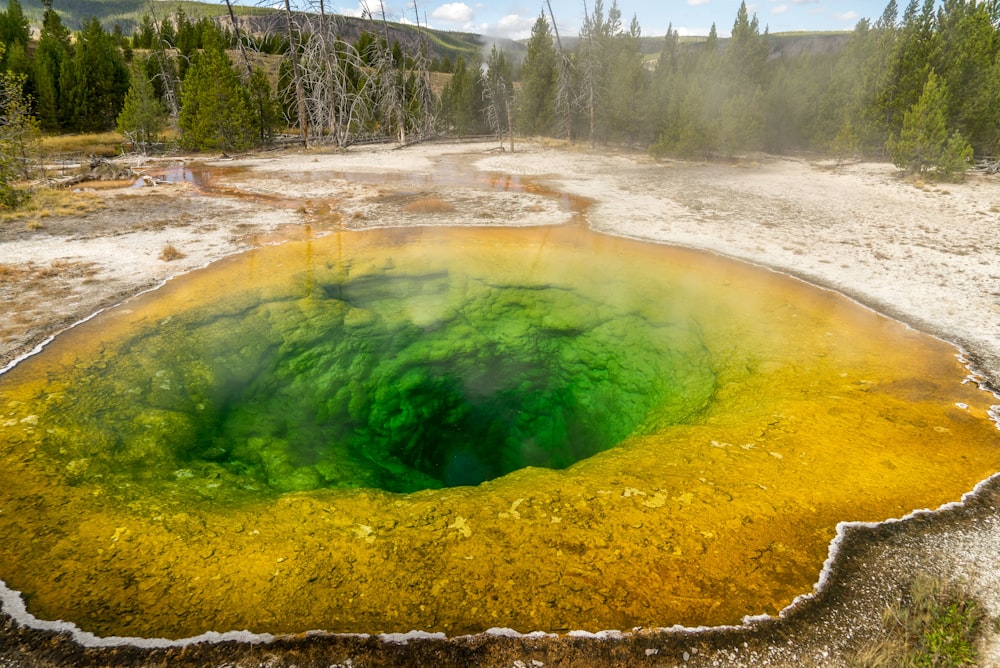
455	429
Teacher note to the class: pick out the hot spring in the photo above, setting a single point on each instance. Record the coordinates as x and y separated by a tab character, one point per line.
453	429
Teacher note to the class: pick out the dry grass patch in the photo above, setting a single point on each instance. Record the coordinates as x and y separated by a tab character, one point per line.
170	253
10	273
35	274
48	202
428	205
104	144
552	142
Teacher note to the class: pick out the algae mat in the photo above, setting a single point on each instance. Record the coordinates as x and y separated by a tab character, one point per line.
456	429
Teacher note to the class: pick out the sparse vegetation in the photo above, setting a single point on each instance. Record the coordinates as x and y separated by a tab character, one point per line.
47	202
39	274
143	115
936	624
924	144
170	253
103	144
429	206
18	137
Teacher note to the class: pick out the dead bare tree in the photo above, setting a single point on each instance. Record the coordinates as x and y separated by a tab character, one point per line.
342	94
498	110
293	48
424	94
337	85
564	85
498	94
391	83
588	69
249	70
166	75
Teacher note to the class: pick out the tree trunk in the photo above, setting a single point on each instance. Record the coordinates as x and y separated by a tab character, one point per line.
510	125
246	63
562	92
169	84
297	75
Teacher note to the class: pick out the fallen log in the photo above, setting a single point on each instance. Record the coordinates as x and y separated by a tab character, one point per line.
100	169
987	166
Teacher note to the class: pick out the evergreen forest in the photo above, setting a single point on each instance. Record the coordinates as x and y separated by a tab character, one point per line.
920	86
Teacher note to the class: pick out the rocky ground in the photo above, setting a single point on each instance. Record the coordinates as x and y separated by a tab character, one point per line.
926	254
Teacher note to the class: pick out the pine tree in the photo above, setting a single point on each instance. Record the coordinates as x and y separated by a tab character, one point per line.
462	100
746	52
95	81
969	47
215	106
909	64
168	32
598	49
14	30
498	94
665	84
267	113
712	43
536	100
143	116
850	105
145	36
52	52
924	143
186	41
741	123
627	87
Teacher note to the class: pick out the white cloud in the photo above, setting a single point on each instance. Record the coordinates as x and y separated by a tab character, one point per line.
513	26
696	32
780	9
847	16
453	12
697	3
346	11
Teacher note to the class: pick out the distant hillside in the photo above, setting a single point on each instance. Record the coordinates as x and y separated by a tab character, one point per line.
782	44
259	20
793	44
126	13
440	43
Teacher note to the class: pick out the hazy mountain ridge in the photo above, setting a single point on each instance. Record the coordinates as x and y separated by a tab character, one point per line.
441	43
261	20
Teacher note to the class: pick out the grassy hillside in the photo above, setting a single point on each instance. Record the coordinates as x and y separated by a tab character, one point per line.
128	13
782	44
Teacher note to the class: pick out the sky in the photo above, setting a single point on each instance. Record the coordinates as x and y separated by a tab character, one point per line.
514	18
